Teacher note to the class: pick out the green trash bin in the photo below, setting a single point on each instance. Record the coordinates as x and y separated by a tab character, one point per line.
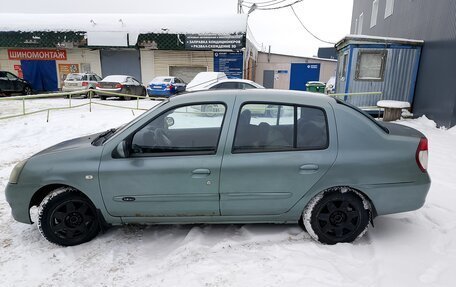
316	87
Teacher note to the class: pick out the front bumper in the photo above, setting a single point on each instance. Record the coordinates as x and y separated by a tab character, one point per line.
18	197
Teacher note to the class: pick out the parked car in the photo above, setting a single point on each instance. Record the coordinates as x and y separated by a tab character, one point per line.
80	81
236	84
166	86
10	84
204	79
121	84
320	162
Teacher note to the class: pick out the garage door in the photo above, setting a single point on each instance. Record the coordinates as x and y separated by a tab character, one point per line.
186	73
121	62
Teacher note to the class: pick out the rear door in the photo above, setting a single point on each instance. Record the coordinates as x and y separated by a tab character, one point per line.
272	159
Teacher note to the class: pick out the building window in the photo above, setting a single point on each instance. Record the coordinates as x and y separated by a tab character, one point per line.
389	8
360	23
343	66
374	13
370	65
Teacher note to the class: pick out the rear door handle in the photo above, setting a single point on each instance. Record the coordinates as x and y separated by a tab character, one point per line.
200	172
308	168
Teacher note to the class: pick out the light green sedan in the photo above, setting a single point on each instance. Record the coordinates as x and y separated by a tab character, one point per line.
313	160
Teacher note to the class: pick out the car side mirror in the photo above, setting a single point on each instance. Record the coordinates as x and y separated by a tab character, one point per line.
169	121
121	150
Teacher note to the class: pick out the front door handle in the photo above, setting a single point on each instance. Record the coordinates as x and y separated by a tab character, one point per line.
308	168
200	172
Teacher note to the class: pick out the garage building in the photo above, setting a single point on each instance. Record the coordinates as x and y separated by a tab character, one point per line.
44	48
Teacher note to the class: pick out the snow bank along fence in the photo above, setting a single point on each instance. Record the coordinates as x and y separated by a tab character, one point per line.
70	95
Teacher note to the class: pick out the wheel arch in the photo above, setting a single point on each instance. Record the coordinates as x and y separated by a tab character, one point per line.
41	193
362	195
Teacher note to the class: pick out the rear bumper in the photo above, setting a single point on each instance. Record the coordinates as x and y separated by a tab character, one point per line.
73	89
398	197
18	198
165	93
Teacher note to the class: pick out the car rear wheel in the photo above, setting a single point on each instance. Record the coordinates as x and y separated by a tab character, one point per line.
336	216
103	98
27	91
67	218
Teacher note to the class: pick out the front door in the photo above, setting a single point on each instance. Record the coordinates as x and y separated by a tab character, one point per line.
173	168
278	153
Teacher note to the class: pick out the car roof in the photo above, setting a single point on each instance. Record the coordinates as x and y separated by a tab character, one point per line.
269	95
235	80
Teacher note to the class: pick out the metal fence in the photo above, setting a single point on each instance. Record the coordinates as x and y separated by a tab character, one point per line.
71	95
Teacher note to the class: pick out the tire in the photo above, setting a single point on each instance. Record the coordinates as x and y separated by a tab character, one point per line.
210	110
27	91
103	98
67	218
337	216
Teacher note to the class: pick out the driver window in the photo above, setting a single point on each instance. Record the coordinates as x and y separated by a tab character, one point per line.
191	129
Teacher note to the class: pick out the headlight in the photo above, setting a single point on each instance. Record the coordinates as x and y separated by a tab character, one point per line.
17	171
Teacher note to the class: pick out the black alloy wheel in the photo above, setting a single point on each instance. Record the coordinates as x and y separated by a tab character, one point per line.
68	219
338	217
27	91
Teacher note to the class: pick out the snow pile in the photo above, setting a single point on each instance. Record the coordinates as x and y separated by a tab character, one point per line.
409	249
393	104
139	23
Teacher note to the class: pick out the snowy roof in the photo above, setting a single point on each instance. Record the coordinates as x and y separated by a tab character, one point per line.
367	39
131	23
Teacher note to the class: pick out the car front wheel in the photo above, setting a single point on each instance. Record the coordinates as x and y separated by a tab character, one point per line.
27	91
335	216
67	218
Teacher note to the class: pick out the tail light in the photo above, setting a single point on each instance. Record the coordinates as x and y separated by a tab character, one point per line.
169	87
98	85
85	84
422	154
119	86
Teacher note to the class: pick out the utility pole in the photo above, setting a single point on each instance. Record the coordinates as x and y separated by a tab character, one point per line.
239	7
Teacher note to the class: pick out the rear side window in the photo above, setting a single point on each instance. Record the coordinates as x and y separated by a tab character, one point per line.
228	85
273	127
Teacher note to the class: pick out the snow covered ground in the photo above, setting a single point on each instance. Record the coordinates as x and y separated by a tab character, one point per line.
410	249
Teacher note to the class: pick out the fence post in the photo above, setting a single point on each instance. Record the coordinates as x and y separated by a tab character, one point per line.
23	106
69	97
47	118
137	103
90	100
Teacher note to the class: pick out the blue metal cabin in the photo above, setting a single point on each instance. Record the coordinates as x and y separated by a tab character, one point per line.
377	64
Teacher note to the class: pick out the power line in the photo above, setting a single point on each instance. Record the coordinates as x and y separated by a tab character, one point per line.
274	8
308	31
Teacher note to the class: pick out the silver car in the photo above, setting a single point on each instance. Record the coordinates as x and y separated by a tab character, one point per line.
315	160
80	81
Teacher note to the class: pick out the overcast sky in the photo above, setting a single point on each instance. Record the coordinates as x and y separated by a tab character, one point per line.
328	19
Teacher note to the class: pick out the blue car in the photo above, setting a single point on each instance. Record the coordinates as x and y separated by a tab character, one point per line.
165	86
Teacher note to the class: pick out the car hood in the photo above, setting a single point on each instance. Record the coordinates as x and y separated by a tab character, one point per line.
401	130
73	144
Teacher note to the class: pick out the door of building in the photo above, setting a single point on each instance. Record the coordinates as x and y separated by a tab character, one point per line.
41	74
301	73
121	62
268	79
